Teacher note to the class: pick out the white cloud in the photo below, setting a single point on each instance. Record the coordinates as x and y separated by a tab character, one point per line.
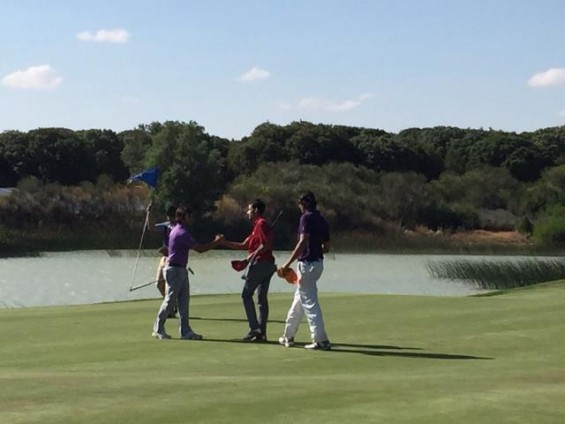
105	36
561	113
35	77
321	104
254	74
553	77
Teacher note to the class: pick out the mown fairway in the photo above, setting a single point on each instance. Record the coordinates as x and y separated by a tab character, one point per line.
396	359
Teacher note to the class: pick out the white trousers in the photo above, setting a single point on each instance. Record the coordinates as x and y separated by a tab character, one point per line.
306	302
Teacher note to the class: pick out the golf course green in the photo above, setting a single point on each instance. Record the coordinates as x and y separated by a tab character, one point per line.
395	359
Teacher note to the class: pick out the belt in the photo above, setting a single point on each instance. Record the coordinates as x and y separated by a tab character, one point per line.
177	265
310	260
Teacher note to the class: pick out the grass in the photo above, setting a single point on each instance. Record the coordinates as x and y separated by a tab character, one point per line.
499	274
396	359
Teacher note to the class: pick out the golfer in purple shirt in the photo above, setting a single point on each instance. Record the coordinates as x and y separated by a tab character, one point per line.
176	275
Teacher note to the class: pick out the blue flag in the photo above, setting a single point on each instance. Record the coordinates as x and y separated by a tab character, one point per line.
149	176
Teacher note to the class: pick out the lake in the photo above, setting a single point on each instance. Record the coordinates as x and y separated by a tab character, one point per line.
85	277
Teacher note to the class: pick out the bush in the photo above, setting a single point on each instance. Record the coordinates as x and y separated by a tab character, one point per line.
497	220
526	226
550	230
468	216
438	217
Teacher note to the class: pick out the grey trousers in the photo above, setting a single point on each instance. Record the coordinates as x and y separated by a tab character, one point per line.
258	279
177	294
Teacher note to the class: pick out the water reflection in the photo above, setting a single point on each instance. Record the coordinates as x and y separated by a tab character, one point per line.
84	277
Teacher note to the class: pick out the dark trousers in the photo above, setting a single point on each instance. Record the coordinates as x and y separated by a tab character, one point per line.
258	278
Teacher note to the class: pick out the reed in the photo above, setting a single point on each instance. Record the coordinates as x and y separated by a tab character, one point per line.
499	274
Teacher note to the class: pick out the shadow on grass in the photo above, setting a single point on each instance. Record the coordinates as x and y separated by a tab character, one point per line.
232	319
378	350
367	349
419	355
367	346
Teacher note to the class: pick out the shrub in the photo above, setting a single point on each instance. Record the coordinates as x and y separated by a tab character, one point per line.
468	216
550	230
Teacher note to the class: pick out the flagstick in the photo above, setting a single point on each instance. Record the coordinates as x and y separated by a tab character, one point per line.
145	225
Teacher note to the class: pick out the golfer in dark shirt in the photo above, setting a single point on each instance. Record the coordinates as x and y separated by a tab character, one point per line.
313	241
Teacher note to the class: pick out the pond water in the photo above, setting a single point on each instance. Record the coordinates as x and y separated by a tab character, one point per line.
84	277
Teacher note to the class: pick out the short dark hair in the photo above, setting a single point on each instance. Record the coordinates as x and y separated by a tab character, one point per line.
259	205
308	199
171	211
182	211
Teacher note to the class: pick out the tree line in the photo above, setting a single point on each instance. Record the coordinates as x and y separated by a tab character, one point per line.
440	178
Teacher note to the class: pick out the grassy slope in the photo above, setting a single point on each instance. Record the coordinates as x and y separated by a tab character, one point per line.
397	359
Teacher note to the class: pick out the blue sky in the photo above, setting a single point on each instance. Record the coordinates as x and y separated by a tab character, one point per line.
232	64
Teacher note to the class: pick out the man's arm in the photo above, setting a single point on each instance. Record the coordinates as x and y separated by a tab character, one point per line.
298	249
201	248
235	244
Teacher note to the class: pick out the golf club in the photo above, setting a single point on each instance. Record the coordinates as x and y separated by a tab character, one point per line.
240	265
140	286
250	262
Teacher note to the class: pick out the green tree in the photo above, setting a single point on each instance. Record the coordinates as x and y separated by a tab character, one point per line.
550	227
190	164
320	144
14	158
136	143
439	139
18	162
516	152
551	142
385	153
62	156
526	163
107	148
402	197
547	192
267	143
484	188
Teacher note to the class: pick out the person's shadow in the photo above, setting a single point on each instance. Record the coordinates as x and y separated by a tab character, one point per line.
381	350
232	319
355	348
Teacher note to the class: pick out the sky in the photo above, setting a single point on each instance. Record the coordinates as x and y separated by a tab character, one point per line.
230	65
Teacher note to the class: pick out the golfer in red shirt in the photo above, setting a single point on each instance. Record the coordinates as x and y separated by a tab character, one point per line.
259	245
